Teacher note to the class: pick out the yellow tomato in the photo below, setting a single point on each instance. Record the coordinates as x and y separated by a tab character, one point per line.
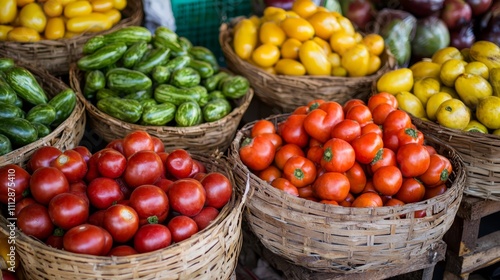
8	11
22	3
375	43
272	10
304	8
297	28
290	48
325	46
411	104
4	29
245	38
340	42
425	68
102	6
120	4
346	25
290	67
266	55
339	71
358	37
324	24
291	14
374	64
55	28
32	16
442	55
23	34
113	15
255	19
434	102
314	60
77	8
270	32
273	14
334	59
53	8
94	22
477	68
395	81
355	60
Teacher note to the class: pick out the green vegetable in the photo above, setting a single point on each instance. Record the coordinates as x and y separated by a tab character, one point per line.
204	54
178	63
168	93
166	38
160	74
6	63
156	57
64	103
188	114
127	35
235	87
10	111
204	68
127	110
127	80
105	93
19	131
42	113
7	94
95	80
134	54
5	145
103	57
212	83
147	102
42	130
185	78
159	114
216	109
25	85
140	95
216	94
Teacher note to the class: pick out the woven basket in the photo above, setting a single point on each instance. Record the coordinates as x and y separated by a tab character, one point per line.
329	238
210	254
289	92
205	137
57	55
66	136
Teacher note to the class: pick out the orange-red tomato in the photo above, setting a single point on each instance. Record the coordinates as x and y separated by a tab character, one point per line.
396	120
292	130
369	186
438	172
332	202
285	152
382	98
338	155
413	159
435	191
315	153
351	103
410	135
366	147
257	153
372	127
346	130
411	190
286	186
360	113
270	173
306	191
300	171
357	178
368	199
394	202
274	138
379	113
331	186
319	122
261	127
385	157
387	180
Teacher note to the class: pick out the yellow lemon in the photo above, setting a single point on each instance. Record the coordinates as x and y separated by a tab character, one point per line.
453	113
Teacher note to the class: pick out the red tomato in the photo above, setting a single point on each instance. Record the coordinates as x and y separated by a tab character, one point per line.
108	242
380	113
122	250
23	203
346	130
56	239
152	237
42	157
34	220
419	214
300	171
85	239
261	127
92	169
366	147
372	127
391	140
361	114
394	202
385	157
332	202
387	180
319	122
123	187
435	191
338	155
413	159
84	152
14	183
314	104
430	149
411	190
351	103
67	210
164	184
285	185
331	186
47	182
292	130
182	227
285	152
187	196
179	163
117	145
257	153
357	178
301	110
104	192
274	138
198	167
369	186
218	189
97	218
158	145
121	222
143	167
151	203
111	164
269	174
438	172
396	120
306	191
137	141
71	164
205	217
410	135
368	199
315	154
382	98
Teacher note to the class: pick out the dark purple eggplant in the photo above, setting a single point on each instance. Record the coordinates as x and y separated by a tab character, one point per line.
360	12
491	30
422	8
479	7
463	37
456	13
284	4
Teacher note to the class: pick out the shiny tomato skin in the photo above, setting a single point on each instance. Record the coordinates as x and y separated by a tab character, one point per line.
382	98
315	103
300	171
387	180
434	191
384	157
55	241
357	178
71	164
179	163
410	135
205	217
351	103
47	182
411	191
111	164
126	190
430	149
394	202
122	250
331	186
438	172
338	155
368	199
319	122
97	218
380	113
158	145
104	192
269	174
121	221
143	167
42	157
301	110
261	127
372	127
84	152
361	114
182	227
136	141
23	203
396	120
187	196
198	167
13	178
218	189
285	152
274	138
413	159
116	145
67	210
165	184
34	220
315	154
150	202
257	153
152	237
292	130
306	191
285	185
85	239
366	147
346	130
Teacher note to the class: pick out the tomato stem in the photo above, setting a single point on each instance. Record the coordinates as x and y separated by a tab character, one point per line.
378	156
444	175
152	220
58	232
299	174
411	132
246	142
327	154
62	159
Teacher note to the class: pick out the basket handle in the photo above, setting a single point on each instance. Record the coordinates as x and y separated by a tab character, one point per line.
245	193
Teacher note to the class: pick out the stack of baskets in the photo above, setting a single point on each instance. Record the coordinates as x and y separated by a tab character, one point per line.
327	238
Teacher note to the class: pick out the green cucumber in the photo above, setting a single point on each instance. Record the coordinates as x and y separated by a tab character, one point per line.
216	110
127	110
140	94
19	102
188	114
169	93
6	62
127	80
129	35
95	80
88	93
178	62
204	54
160	74
212	83
147	102
204	68
185	78
41	129
156	57
64	103
134	54
235	87
19	131
7	94
42	113
102	57
10	111
159	114
105	93
185	46
216	94
93	44
25	85
5	145
166	38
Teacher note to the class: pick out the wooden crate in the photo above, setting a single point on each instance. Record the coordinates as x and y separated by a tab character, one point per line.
467	252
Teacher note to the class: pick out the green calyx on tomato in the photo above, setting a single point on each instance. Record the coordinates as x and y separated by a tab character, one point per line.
152	220
444	175
328	154
378	156
246	142
299	173
411	132
58	232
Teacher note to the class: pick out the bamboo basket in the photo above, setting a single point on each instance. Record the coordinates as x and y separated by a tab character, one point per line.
205	137
210	254
66	136
289	92
327	238
57	55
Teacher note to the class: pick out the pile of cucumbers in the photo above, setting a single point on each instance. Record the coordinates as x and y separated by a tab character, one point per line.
26	113
157	79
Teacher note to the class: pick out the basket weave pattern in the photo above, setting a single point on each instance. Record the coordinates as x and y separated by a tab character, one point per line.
210	254
328	238
205	137
66	136
289	92
57	55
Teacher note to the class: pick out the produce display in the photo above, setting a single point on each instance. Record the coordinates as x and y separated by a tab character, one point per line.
457	89
31	21
157	79
307	40
26	113
128	198
354	155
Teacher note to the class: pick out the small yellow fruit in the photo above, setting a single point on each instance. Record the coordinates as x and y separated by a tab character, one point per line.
454	114
434	102
396	81
409	103
488	112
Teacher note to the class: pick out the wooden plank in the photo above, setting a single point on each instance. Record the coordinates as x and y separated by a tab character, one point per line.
473	208
461	238
487	253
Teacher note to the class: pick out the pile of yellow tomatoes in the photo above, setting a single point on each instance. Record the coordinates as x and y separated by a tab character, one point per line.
307	40
34	20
